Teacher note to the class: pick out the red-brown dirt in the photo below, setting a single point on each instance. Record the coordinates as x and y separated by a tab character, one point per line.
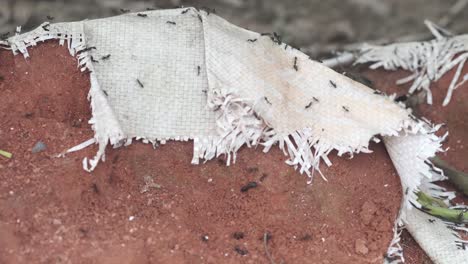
51	210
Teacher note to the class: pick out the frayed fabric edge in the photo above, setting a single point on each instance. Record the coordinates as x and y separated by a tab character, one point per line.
415	178
103	121
428	61
238	124
305	152
394	253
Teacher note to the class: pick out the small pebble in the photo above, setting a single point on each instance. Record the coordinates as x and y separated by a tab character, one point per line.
39	147
360	247
305	237
238	235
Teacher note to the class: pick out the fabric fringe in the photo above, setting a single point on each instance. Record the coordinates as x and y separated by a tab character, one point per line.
394	253
103	122
428	61
461	242
305	151
237	125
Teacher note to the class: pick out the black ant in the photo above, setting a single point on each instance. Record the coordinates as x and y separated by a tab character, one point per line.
140	84
276	38
208	10
88	49
241	251
461	245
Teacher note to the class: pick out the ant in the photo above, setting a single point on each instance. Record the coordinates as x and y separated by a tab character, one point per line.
88	49
140	84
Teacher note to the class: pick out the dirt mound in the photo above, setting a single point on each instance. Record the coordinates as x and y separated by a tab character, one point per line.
146	205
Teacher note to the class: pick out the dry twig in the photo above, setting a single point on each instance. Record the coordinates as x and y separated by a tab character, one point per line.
265	243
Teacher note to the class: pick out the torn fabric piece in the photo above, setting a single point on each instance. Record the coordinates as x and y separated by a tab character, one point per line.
205	79
428	61
411	157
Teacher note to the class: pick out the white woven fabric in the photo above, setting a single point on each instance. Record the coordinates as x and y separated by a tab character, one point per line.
183	74
432	234
169	62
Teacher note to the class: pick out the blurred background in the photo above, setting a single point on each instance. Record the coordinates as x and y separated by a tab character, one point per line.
318	27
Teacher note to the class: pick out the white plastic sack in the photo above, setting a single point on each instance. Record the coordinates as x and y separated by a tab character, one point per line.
185	74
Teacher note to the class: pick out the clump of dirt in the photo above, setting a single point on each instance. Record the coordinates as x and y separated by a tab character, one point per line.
53	211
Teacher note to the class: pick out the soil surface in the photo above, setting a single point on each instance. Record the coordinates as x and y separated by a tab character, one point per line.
146	205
